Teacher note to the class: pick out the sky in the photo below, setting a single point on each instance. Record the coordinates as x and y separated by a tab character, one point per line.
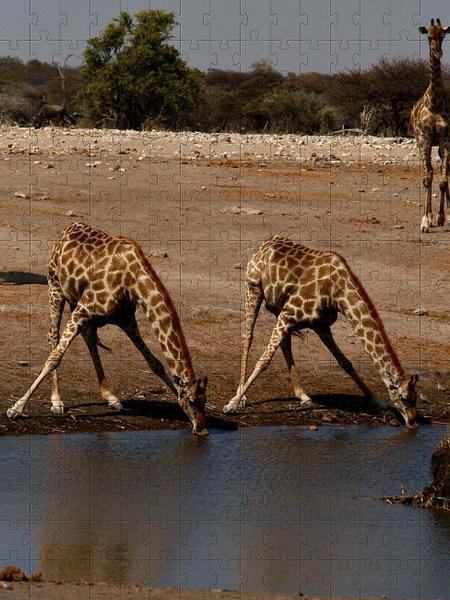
293	35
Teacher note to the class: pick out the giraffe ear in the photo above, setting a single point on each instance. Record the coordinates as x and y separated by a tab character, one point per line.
423	30
393	382
412	381
447	30
201	384
179	384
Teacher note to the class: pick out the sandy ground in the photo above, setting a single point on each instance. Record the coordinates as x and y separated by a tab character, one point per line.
199	205
88	591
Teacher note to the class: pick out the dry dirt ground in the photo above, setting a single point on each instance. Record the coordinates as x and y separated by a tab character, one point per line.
199	205
75	591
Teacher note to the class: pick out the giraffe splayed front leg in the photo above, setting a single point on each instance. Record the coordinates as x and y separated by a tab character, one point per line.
280	331
70	332
253	301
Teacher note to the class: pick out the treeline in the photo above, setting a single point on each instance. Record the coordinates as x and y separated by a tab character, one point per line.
132	77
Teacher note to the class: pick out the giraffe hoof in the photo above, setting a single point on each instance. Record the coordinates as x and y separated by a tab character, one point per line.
115	404
57	408
305	403
426	224
12	413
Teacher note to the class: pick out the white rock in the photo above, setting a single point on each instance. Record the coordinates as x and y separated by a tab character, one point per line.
158	254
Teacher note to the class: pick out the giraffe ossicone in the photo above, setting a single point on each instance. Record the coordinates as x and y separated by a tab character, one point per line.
104	279
430	123
306	288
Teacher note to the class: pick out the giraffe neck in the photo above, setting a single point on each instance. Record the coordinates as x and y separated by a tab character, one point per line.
153	297
436	88
373	336
358	308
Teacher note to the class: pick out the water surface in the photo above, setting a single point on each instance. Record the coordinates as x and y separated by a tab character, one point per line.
259	509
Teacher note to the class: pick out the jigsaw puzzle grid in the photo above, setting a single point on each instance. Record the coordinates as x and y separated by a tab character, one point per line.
199	204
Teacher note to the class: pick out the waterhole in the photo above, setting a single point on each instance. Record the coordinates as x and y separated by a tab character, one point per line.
258	509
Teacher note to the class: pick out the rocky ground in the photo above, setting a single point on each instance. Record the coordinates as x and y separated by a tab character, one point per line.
88	591
199	204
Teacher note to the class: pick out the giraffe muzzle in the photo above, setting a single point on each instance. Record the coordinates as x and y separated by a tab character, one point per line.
410	416
200	432
199	424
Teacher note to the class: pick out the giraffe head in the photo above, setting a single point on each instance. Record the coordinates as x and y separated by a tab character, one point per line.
436	34
403	395
192	399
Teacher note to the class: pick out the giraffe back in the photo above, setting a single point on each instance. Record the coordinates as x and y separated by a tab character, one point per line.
90	264
294	276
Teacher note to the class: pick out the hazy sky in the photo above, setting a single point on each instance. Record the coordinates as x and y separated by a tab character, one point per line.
294	35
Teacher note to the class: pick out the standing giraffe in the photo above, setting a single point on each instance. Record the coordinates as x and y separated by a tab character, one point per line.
430	124
307	288
104	279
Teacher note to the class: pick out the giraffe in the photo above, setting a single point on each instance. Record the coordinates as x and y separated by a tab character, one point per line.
306	288
104	279
430	124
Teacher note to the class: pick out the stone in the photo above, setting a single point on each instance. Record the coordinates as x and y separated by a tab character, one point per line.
158	254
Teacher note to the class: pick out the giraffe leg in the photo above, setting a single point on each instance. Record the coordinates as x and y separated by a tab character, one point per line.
286	346
280	331
425	159
327	338
89	334
444	150
253	299
71	330
56	302
132	330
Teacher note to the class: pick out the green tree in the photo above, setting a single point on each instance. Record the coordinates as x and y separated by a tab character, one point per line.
135	77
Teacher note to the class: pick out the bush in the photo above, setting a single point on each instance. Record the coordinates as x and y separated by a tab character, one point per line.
134	76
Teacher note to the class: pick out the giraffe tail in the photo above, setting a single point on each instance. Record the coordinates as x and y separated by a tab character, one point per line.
100	344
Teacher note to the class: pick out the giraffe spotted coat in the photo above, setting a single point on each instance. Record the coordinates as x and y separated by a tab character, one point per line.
306	288
104	279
